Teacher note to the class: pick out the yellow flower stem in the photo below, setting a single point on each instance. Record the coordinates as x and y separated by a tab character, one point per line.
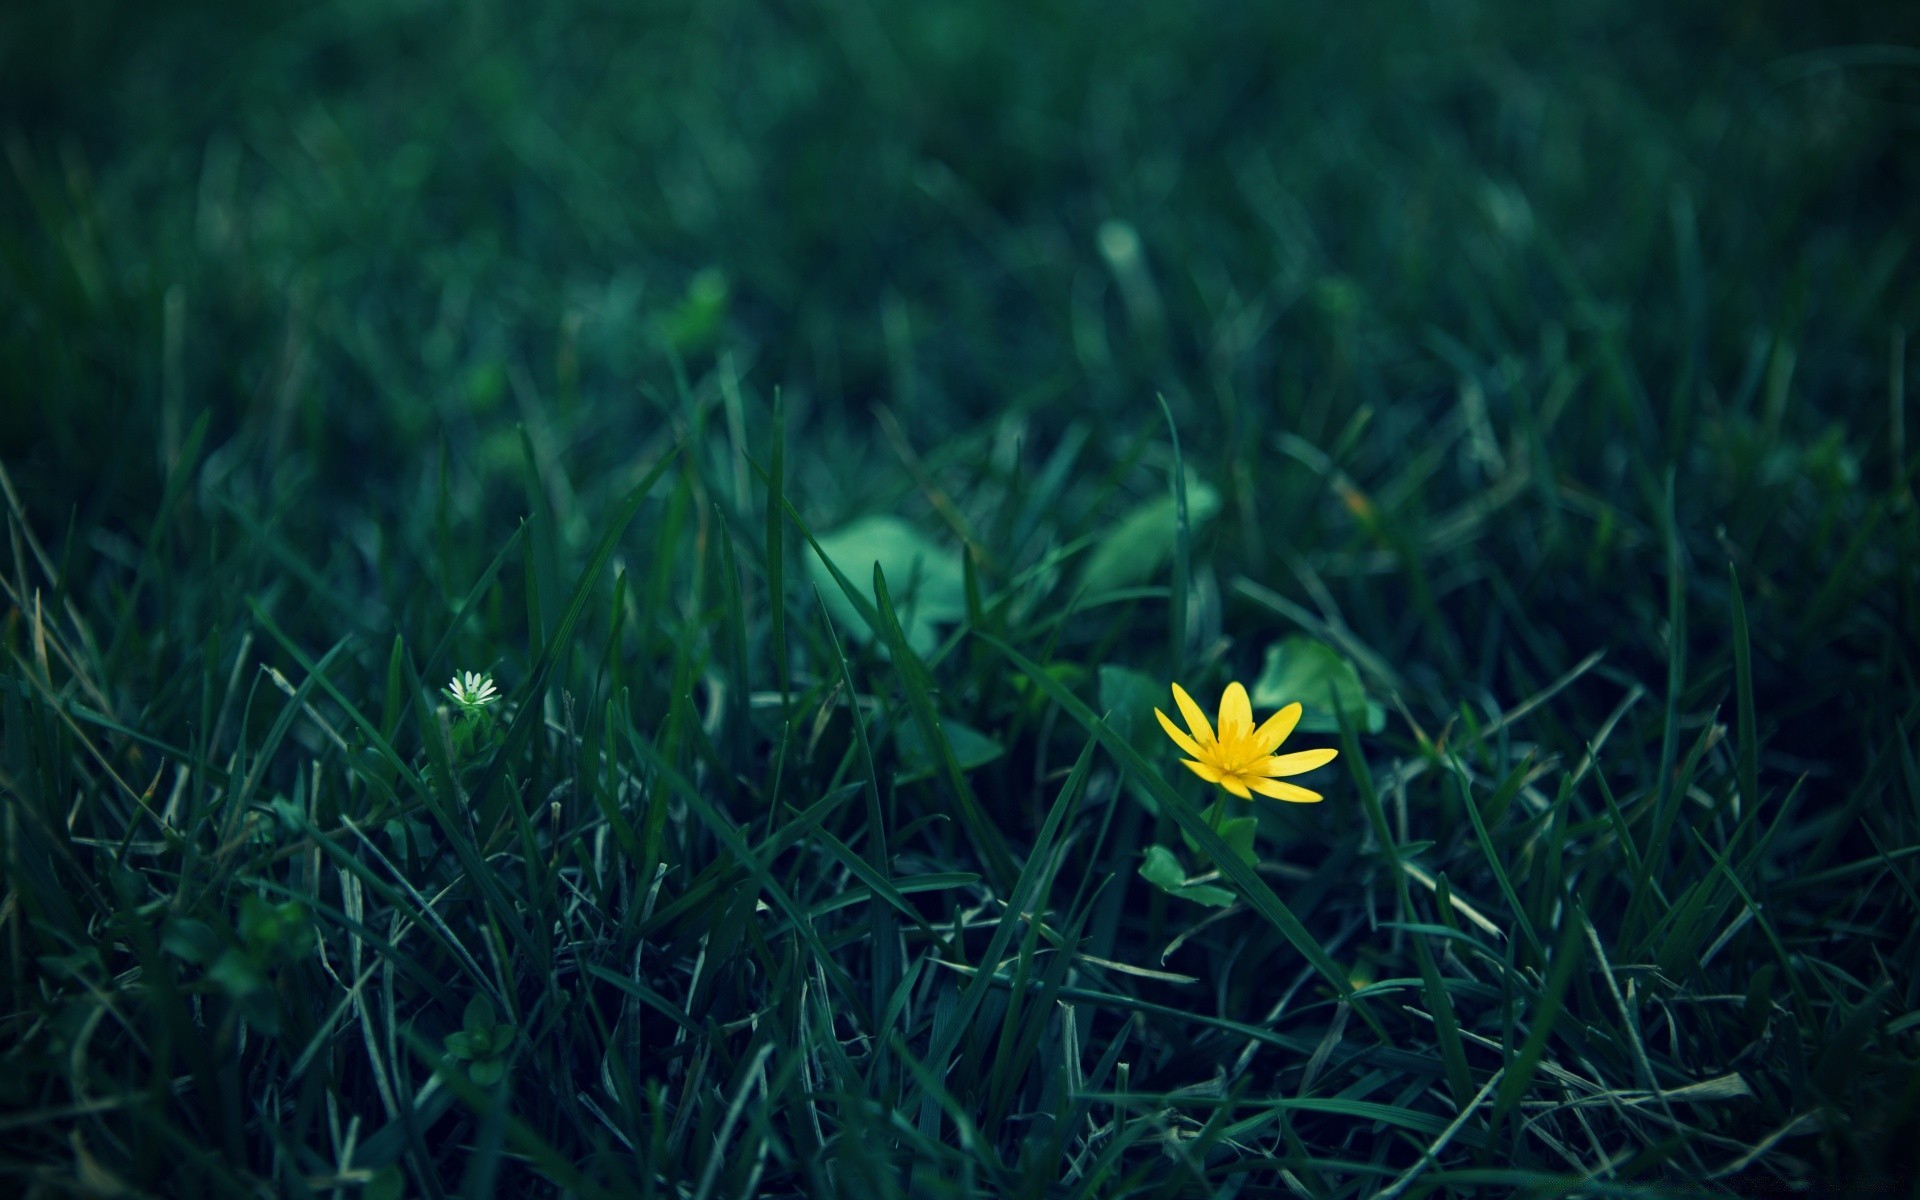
1218	812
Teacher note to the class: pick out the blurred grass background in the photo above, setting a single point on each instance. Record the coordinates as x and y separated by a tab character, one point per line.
1496	331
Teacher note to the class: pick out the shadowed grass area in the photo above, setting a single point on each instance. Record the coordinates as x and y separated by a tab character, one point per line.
832	427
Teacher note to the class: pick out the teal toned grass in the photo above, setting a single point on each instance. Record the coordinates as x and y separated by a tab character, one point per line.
1544	370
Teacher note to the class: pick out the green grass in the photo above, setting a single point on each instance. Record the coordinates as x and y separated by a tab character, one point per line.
1537	375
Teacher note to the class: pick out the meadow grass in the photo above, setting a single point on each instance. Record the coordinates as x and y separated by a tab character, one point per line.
832	428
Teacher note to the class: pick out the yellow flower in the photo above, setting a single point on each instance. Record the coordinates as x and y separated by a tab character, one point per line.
1240	757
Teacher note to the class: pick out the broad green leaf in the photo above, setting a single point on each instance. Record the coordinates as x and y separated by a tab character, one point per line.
692	324
236	973
1164	871
192	940
419	833
1133	551
1300	668
479	1014
1066	674
970	747
79	967
1238	834
388	1183
270	929
1205	893
1128	698
927	576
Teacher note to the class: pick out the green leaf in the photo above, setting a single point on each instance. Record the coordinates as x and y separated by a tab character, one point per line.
297	938
487	1071
237	975
970	747
928	576
388	1183
286	812
1164	871
81	966
1238	833
409	830
1205	893
275	930
1133	551
693	323
479	1015
192	940
1315	674
1128	698
459	1043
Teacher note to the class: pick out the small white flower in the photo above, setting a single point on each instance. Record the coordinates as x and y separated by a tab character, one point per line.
472	692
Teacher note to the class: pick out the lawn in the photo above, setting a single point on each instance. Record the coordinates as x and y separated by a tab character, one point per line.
587	585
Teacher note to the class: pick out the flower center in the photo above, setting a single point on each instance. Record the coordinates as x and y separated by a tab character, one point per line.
1236	748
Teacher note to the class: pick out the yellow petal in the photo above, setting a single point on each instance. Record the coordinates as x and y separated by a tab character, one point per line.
1284	791
1236	713
1196	720
1237	786
1179	739
1277	728
1210	774
1296	763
